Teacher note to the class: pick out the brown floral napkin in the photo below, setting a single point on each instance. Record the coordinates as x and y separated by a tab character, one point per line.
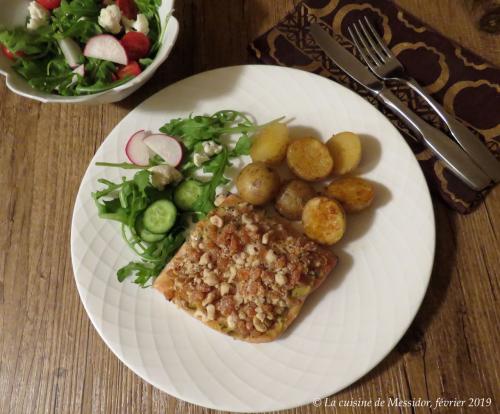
467	85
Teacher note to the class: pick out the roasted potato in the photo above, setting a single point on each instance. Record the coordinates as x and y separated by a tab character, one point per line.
270	144
309	159
257	183
324	220
292	198
345	149
354	193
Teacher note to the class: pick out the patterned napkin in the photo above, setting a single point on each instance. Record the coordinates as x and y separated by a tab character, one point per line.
467	85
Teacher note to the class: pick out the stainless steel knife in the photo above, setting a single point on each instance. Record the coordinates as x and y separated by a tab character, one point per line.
454	157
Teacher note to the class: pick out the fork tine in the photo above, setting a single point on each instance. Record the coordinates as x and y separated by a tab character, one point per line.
366	48
379	39
372	42
361	50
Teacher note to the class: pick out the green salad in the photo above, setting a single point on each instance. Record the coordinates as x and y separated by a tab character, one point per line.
178	174
79	47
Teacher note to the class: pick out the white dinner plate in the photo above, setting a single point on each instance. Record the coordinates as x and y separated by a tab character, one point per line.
345	328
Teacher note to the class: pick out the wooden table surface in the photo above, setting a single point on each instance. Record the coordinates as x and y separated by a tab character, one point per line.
51	358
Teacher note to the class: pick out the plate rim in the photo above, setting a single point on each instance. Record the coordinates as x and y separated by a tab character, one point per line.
428	272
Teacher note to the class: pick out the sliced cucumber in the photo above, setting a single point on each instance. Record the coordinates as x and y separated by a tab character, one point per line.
160	216
187	193
145	234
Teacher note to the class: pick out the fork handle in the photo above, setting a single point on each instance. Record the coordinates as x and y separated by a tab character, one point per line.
457	161
466	139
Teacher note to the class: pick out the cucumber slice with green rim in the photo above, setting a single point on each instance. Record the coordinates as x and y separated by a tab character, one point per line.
187	193
160	216
145	234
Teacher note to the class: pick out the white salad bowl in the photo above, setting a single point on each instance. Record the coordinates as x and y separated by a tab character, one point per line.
13	13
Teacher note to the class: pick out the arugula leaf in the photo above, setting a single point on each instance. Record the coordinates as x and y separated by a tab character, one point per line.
112	210
145	62
141	180
150	9
81	30
196	129
28	42
77	19
242	147
145	271
217	165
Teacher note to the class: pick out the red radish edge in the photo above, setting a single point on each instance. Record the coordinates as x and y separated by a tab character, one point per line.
137	152
166	147
71	51
80	70
106	47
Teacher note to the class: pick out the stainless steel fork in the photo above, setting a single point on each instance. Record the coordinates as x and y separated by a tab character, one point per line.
384	64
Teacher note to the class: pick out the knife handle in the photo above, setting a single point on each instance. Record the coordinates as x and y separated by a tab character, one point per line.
466	139
455	159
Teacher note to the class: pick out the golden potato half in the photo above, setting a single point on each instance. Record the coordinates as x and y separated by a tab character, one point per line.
345	149
257	183
324	220
354	193
270	143
292	198
309	159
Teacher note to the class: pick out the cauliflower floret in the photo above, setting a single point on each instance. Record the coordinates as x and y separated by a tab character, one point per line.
39	16
141	24
199	158
163	175
109	19
211	148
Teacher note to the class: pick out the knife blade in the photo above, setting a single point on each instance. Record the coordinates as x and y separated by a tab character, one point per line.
454	158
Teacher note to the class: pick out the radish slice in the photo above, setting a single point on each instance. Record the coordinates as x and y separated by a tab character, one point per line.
137	152
106	47
166	147
71	51
80	70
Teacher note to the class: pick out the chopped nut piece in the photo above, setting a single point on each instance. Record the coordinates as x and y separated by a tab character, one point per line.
231	321
265	237
210	312
224	288
238	299
200	314
220	199
209	277
230	273
280	278
240	258
270	257
245	219
259	325
252	227
251	249
209	299
216	221
204	259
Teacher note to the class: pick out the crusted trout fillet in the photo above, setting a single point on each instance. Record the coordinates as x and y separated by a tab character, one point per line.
245	273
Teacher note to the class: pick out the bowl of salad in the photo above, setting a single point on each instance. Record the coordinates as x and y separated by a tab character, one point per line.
83	51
